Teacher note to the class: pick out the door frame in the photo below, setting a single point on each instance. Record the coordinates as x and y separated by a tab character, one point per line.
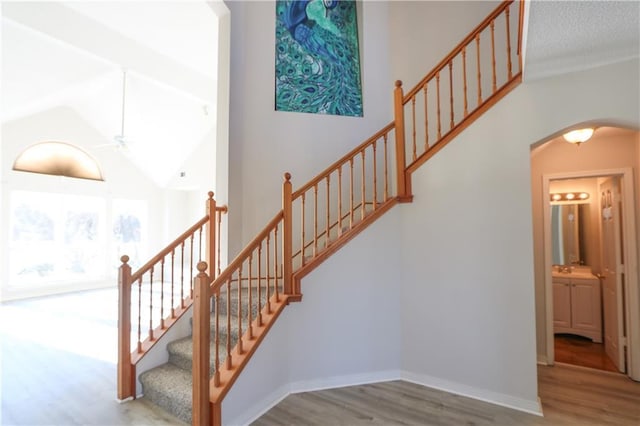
631	284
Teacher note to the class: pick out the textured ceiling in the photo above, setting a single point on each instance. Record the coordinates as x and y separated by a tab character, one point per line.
565	36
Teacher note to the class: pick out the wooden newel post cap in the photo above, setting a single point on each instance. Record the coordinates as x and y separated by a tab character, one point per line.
210	193
287	177
202	267
398	83
124	258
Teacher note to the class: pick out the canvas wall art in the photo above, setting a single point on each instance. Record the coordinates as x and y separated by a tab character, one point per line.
317	57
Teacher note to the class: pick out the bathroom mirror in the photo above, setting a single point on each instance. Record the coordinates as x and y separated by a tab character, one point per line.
568	233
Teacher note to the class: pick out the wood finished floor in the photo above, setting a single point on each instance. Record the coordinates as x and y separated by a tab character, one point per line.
49	377
581	351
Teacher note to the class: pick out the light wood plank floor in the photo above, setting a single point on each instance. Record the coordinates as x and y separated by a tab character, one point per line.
50	377
570	396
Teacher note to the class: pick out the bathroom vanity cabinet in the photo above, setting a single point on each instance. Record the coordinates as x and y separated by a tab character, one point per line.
577	306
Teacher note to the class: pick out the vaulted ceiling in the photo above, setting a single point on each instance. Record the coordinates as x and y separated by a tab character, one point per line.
73	54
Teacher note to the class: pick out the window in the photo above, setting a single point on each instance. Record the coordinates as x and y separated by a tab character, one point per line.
65	238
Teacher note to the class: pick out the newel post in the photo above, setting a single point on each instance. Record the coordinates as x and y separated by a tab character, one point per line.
211	236
287	235
201	338
401	162
125	368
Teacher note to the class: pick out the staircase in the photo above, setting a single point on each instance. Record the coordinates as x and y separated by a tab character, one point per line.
233	308
169	385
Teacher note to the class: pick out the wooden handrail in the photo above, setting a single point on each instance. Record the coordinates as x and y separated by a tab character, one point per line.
173	245
342	161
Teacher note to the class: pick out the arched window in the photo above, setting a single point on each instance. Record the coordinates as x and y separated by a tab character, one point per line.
59	159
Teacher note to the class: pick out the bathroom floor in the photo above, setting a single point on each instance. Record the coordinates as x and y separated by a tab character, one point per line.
581	351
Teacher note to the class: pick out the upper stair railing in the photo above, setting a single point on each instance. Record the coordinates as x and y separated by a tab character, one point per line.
475	75
154	297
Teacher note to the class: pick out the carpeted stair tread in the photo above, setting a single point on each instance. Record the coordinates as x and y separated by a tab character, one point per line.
169	387
181	353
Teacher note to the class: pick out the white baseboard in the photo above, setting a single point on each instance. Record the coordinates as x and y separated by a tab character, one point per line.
342	381
528	406
542	360
273	398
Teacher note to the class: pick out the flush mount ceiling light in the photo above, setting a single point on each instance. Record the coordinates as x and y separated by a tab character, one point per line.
58	159
579	136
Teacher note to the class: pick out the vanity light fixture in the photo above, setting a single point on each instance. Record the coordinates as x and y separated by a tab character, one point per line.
579	136
569	196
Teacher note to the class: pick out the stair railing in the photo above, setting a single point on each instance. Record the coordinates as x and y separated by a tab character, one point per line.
154	297
477	73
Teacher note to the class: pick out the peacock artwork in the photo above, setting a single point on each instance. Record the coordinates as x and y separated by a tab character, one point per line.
317	57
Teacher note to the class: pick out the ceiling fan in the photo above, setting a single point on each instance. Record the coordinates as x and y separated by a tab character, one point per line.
120	141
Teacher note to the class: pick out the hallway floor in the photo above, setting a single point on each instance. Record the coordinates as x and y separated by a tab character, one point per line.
577	350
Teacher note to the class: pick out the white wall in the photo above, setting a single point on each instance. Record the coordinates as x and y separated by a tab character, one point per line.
469	274
264	144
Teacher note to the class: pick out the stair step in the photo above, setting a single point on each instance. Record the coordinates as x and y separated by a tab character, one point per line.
181	353
169	387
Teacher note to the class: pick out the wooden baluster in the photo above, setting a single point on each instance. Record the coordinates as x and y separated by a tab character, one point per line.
200	243
426	119
182	275
438	104
240	350
211	234
509	72
287	234
340	200
250	289
216	347
451	124
413	126
219	239
162	293
201	337
351	193
401	163
464	78
259	315
302	224
328	224
494	86
151	304
228	362
386	168
173	305
191	266
479	76
362	187
315	220
268	265
375	177
126	373
140	314
275	264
